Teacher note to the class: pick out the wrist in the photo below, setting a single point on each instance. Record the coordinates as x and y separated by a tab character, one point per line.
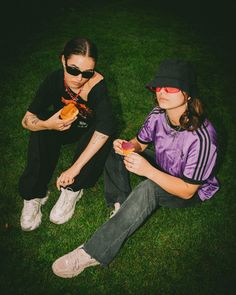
44	124
150	172
77	166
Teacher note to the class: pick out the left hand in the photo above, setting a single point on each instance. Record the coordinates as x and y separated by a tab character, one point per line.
137	164
67	177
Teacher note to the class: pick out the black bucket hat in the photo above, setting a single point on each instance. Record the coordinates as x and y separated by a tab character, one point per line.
176	73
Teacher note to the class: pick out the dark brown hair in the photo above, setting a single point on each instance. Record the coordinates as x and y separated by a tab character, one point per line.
194	115
80	46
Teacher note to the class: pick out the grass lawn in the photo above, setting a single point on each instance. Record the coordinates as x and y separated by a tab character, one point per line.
178	251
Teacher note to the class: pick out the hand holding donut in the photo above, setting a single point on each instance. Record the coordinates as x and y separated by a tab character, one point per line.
56	123
123	147
137	164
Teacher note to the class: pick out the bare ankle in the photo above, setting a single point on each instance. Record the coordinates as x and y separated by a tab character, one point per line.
117	205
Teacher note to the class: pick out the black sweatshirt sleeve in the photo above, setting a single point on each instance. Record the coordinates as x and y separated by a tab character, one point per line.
104	120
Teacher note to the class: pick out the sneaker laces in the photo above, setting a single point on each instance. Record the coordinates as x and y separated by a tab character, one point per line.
76	264
30	207
62	198
68	199
73	260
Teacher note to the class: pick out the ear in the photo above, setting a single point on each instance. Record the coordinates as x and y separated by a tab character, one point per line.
63	61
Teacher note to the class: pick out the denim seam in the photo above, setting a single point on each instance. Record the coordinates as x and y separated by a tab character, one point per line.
104	253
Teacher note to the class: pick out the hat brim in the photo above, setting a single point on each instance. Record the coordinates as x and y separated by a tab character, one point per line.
169	82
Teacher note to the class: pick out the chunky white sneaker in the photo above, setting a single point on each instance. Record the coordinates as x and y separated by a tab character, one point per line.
31	214
73	263
64	208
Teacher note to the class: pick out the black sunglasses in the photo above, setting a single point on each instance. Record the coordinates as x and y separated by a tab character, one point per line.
75	72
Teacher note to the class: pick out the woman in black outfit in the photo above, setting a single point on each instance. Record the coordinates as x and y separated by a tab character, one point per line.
78	83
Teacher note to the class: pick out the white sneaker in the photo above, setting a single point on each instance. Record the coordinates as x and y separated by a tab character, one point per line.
31	214
73	263
64	208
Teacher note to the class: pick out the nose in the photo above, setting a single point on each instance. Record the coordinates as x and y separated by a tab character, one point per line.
79	77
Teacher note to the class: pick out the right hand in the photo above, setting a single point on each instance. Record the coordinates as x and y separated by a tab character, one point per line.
55	123
117	146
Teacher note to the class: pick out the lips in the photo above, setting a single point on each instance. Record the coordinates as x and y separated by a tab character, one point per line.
162	99
76	84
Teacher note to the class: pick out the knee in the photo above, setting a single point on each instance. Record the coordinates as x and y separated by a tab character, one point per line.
143	195
146	188
115	156
113	159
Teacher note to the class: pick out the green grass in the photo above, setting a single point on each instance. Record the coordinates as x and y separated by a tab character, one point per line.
187	251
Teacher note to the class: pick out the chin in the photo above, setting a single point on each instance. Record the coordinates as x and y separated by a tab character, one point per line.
76	84
163	105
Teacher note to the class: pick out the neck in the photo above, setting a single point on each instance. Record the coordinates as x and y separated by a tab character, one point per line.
175	114
76	90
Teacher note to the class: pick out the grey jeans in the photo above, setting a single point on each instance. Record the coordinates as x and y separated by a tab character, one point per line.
135	209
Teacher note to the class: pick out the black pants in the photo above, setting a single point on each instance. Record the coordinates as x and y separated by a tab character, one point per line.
43	154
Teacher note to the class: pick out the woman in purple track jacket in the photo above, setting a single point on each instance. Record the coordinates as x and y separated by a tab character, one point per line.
178	173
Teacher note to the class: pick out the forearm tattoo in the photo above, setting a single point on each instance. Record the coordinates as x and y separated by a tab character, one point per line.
34	121
30	119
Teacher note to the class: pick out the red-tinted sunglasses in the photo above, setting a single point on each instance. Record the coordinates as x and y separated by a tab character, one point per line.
167	89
